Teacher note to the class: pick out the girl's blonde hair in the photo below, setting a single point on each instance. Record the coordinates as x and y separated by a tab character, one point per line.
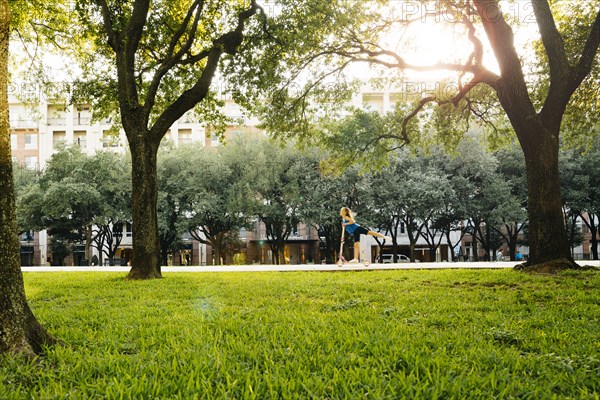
347	212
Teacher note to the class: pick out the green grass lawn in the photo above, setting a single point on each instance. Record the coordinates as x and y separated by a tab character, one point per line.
419	334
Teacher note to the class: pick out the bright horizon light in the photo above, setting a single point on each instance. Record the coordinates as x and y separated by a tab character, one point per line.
433	38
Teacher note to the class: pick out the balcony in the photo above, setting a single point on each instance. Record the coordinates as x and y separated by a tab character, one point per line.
57	121
86	121
19	123
291	238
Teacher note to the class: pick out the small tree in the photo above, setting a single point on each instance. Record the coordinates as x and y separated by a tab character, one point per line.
66	199
223	203
575	186
512	213
110	175
323	195
277	181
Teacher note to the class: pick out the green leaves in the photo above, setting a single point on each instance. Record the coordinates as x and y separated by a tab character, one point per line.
75	191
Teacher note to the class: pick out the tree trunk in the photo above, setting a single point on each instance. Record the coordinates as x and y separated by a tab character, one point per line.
20	333
571	233
218	248
333	242
547	233
475	222
413	236
512	239
164	256
450	246
594	240
145	262
412	250
275	250
488	244
88	244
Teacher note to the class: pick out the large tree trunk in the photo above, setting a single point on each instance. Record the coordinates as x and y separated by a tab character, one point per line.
145	263
538	132
20	333
547	233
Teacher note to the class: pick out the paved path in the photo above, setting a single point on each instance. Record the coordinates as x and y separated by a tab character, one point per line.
301	267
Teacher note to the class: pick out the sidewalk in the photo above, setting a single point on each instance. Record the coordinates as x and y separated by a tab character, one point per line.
301	267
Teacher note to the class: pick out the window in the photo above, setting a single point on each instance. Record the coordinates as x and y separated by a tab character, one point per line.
185	136
187	118
79	139
31	162
110	139
58	137
57	115
128	231
373	102
13	141
394	99
31	141
214	139
21	116
83	116
117	230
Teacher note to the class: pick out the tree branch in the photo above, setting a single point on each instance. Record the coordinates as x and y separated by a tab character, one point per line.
170	60
112	36
302	97
562	89
511	87
413	114
226	43
552	40
372	57
135	28
588	54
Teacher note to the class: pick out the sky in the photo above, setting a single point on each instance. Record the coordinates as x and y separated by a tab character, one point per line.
432	37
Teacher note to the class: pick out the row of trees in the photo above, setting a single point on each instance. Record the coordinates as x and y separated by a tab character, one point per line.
212	193
78	199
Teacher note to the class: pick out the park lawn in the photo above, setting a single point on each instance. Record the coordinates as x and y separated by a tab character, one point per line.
417	334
